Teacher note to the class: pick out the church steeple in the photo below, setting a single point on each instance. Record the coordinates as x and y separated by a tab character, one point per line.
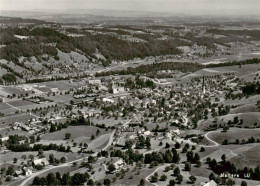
203	85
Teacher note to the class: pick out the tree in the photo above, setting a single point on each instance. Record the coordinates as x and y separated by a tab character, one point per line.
202	149
24	156
107	181
192	179
67	135
176	171
187	166
36	181
163	177
10	171
154	178
179	178
51	158
230	182
31	156
78	179
40	152
225	142
51	178
226	128
212	176
111	168
141	183
97	132
15	160
148	142
65	179
167	145
52	128
128	144
243	183
198	163
223	157
171	183
177	145
8	178
63	159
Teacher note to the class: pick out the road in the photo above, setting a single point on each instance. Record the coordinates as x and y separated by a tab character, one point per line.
110	141
147	177
65	164
206	136
217	131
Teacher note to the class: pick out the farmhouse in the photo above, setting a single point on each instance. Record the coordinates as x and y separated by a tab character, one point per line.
94	81
18	173
210	183
4	138
117	90
27	171
42	161
54	90
108	100
119	164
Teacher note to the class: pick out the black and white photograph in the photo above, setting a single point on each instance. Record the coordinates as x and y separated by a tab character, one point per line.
129	92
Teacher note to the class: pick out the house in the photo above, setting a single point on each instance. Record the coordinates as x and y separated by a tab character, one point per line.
4	138
108	100
147	133
210	183
119	164
18	173
27	171
94	81
117	90
54	90
42	161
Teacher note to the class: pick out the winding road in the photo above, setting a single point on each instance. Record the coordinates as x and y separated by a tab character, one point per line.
110	141
206	136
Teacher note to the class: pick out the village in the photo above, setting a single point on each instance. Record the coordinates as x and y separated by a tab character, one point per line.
129	101
88	120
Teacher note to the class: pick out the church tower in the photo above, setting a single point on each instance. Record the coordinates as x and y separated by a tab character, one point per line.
203	85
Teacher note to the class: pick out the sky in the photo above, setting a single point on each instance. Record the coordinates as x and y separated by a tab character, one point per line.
215	7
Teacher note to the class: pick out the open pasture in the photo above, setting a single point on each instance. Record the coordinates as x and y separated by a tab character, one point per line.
23	117
233	134
75	131
249	119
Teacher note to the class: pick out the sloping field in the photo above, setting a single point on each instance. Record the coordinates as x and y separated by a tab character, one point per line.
248	157
251	100
23	117
244	108
100	141
76	131
233	134
249	118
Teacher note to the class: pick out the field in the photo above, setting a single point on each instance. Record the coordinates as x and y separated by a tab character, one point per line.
248	156
79	134
13	90
244	108
249	119
76	131
7	132
61	85
233	134
6	109
23	117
